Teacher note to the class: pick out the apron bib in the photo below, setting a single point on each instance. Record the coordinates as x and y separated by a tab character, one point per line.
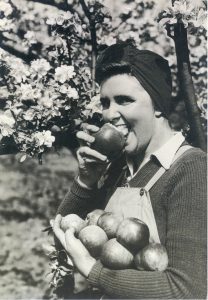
135	202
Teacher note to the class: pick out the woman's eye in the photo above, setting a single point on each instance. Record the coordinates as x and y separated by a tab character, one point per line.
124	100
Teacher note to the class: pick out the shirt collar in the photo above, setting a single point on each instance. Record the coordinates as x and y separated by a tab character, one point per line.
165	154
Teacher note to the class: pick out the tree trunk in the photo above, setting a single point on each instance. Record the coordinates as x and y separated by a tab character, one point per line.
186	85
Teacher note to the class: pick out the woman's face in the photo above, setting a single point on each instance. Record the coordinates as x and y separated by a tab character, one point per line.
129	107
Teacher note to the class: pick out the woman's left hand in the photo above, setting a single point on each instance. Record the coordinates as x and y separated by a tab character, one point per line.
80	256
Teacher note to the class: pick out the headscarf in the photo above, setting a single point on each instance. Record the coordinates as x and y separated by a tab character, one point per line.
150	69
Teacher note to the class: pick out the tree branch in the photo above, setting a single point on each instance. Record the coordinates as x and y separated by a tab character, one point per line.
24	56
93	40
62	6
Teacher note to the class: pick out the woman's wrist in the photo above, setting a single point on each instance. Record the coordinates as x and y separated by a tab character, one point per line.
83	184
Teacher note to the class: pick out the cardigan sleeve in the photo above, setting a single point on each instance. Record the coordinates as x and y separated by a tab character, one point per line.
80	200
185	276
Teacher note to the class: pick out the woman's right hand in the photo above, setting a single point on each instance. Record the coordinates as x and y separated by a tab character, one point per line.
91	163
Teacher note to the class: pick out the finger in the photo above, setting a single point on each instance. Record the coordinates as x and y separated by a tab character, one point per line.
92	128
74	245
70	241
52	223
96	161
58	231
91	153
84	137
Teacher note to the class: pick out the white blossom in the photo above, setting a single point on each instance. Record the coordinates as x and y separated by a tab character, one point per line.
6	8
6	123
69	91
64	73
19	70
44	138
26	91
31	37
46	101
40	67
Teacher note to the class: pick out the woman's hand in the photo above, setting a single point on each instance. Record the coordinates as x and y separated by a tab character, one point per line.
91	163
79	255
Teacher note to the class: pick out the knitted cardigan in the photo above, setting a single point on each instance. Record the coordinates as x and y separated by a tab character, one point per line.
179	204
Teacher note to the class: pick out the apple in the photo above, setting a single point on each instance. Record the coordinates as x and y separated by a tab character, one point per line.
109	222
153	257
72	221
115	256
93	216
133	234
93	237
109	141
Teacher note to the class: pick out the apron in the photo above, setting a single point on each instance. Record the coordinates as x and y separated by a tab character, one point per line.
134	202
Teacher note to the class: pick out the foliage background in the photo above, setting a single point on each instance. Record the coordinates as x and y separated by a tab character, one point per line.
30	193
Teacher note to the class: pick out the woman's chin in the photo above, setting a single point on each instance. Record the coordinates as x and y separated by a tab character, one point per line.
131	144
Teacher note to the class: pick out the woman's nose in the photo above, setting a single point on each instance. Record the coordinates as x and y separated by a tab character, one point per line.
111	114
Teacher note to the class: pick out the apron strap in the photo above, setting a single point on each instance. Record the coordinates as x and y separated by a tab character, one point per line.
162	170
154	179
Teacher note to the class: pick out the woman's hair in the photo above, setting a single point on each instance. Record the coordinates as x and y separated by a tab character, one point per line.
104	72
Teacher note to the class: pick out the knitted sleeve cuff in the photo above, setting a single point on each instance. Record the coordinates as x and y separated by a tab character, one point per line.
80	191
94	274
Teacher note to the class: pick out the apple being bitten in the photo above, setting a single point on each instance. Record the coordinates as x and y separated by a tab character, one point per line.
109	141
133	234
109	222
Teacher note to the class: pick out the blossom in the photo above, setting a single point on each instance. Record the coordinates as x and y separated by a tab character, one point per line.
29	115
6	8
71	92
26	91
6	24
19	70
64	73
30	36
6	123
44	138
93	107
40	67
46	101
201	19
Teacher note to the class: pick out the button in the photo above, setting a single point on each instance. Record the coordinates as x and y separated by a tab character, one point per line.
141	192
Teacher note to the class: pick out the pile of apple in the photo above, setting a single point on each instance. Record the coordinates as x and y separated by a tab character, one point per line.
119	243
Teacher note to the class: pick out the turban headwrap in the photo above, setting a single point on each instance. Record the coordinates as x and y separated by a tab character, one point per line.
150	69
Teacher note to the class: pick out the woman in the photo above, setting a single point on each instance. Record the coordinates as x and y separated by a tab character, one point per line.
135	89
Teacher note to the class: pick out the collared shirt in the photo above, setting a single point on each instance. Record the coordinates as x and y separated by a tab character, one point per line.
165	154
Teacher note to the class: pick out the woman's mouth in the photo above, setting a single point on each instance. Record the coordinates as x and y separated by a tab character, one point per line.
124	129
